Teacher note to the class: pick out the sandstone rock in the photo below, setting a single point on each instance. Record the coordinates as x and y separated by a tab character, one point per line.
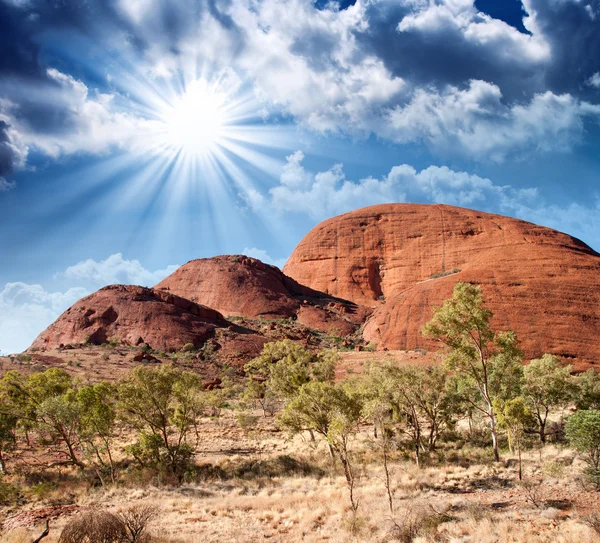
144	357
403	260
133	316
245	287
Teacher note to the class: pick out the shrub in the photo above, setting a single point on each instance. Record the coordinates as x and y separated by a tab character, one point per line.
8	494
188	348
94	527
136	519
583	434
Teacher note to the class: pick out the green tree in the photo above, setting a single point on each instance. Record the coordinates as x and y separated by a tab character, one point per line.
162	404
47	402
514	415
257	393
588	390
583	434
8	426
97	426
547	385
285	366
490	360
331	411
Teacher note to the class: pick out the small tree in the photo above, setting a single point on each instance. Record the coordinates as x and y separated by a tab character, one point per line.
587	390
514	415
97	426
257	393
547	385
162	404
583	434
8	426
285	366
47	402
490	360
328	410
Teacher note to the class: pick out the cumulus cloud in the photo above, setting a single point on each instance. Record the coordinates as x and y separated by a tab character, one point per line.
116	270
368	69
26	310
12	154
328	193
594	81
478	123
439	72
263	256
63	117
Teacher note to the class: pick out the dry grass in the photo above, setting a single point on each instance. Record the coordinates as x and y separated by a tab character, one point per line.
268	488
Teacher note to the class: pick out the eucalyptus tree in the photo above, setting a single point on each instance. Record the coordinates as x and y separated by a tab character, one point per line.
548	385
490	360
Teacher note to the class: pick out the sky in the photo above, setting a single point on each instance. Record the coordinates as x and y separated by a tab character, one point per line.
136	135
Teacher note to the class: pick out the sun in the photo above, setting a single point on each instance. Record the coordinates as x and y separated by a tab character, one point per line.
195	122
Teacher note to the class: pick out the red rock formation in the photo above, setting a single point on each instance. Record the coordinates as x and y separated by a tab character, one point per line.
246	287
133	315
405	259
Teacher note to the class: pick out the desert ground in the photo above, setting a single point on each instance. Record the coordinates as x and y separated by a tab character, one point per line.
253	482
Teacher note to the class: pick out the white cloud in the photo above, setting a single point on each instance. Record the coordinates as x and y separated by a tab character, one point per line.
263	256
116	270
308	63
594	81
93	123
477	122
329	193
26	310
5	185
493	36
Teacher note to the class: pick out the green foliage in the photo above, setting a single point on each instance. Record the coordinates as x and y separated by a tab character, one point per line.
583	434
588	390
162	404
285	366
97	425
514	416
323	407
547	385
331	411
9	494
47	402
188	348
489	361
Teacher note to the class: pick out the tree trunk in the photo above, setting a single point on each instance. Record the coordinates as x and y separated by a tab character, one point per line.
494	436
72	454
543	432
2	464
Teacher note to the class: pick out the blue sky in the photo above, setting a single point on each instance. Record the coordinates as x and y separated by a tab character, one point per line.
136	135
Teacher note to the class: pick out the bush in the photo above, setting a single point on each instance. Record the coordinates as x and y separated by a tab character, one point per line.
583	434
136	519
8	494
188	348
94	527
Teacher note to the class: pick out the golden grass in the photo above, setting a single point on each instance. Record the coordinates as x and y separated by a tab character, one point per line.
281	490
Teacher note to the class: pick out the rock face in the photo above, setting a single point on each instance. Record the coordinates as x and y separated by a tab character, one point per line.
133	316
245	287
403	260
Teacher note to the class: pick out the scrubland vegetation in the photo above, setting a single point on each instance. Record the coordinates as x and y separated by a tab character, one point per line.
481	449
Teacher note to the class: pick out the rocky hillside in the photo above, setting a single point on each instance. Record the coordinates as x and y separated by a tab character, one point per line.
245	287
129	315
403	260
381	269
